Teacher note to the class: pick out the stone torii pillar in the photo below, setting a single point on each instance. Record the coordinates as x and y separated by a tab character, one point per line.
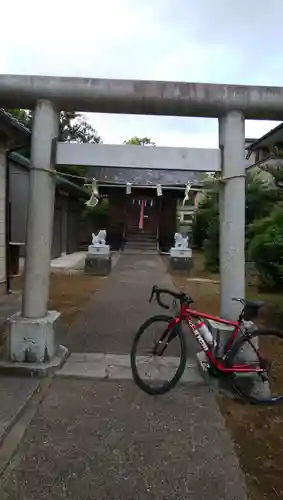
40	211
232	212
232	207
31	332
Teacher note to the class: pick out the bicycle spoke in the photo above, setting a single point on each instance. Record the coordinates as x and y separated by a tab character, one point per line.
157	355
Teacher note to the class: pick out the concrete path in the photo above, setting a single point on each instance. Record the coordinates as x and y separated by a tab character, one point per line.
109	441
9	305
116	311
14	394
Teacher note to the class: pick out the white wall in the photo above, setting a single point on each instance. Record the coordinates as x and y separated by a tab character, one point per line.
2	214
19	185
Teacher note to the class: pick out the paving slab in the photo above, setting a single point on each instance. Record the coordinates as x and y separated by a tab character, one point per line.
14	395
109	441
69	261
75	262
119	307
9	305
117	367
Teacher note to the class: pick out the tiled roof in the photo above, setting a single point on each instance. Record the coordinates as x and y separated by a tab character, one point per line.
144	177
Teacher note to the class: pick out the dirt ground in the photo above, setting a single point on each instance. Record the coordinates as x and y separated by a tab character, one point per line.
257	431
68	294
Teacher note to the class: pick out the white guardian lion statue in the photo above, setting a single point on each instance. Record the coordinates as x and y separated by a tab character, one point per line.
99	238
180	241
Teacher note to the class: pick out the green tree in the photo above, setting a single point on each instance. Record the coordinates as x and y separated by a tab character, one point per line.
207	210
260	197
205	229
275	171
73	126
98	215
260	200
266	247
140	141
23	115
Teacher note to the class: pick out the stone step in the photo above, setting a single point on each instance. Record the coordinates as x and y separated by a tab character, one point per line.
117	367
140	251
142	237
143	244
140	248
147	236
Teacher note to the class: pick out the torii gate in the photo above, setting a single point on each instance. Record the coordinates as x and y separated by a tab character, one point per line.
32	331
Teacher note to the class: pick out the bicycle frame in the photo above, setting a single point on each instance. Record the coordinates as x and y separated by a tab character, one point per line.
186	314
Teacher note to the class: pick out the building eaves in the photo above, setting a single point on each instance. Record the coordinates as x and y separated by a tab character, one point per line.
14	122
271	138
60	180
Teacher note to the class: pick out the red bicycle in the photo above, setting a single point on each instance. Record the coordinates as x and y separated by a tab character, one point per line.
243	359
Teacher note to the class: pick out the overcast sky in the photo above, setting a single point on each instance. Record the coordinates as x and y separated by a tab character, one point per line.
219	41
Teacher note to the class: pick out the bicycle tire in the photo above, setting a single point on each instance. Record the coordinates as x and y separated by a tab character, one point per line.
242	389
153	391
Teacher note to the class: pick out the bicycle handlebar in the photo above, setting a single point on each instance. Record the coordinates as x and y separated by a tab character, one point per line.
158	291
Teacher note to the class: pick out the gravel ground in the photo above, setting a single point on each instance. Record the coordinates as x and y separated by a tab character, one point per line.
108	440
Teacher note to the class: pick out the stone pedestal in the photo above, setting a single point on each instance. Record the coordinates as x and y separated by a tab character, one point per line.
181	259
98	260
31	347
32	340
251	383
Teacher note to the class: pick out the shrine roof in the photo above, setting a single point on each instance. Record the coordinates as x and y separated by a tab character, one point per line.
138	177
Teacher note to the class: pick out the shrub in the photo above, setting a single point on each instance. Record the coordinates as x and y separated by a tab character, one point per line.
97	216
211	245
206	212
260	200
266	247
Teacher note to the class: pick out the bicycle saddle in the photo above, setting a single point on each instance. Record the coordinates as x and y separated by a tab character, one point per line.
249	303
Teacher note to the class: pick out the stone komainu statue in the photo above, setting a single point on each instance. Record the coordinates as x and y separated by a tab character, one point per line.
99	238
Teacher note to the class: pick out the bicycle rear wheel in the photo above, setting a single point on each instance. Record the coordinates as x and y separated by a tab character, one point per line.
158	355
262	348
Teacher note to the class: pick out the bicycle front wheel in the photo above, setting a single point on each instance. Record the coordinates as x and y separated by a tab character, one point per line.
263	348
158	355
